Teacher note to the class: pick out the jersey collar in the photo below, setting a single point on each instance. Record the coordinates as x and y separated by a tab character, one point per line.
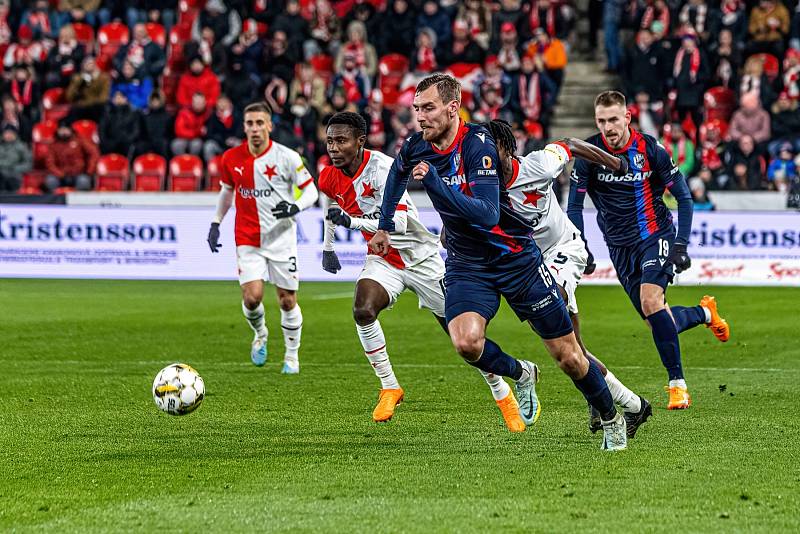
269	146
514	172
462	130
367	154
623	149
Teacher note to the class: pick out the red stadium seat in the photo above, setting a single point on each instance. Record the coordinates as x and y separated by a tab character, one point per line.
54	104
323	67
84	34
33	180
110	37
86	129
113	171
392	69
149	171
157	33
720	103
185	173
214	173
43	135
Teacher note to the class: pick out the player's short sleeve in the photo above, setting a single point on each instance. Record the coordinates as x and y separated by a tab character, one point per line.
480	158
663	165
301	177
550	161
226	176
325	184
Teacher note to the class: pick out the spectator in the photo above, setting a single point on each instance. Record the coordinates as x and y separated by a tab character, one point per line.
309	85
159	11
223	129
155	129
137	91
462	48
6	34
510	53
690	72
755	80
240	86
398	29
750	120
744	167
694	15
146	56
533	93
554	55
297	127
64	59
25	91
649	115
552	17
325	29
225	23
198	79
424	60
26	51
15	160
83	11
190	127
794	35
726	59
785	123
769	26
791	73
680	149
211	51
248	49
510	11
119	127
88	92
643	68
656	18
39	19
479	20
730	16
292	24
379	122
71	161
280	60
365	13
358	46
352	82
782	171
12	117
435	18
699	196
712	150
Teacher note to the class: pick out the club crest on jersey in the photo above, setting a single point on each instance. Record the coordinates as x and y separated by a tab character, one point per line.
457	160
638	160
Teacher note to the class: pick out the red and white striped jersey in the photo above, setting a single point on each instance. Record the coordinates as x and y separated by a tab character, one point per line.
531	192
260	183
360	196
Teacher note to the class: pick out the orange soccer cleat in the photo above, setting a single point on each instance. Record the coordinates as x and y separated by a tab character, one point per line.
679	398
719	326
510	410
388	399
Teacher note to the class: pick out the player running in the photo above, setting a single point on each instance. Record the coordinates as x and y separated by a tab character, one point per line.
356	183
529	181
262	174
490	252
638	229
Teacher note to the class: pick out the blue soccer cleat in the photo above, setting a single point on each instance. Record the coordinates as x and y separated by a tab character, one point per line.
258	351
290	368
529	407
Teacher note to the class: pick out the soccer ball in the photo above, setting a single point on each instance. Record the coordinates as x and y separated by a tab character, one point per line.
178	389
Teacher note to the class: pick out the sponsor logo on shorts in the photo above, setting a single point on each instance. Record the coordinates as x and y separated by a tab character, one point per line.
545	302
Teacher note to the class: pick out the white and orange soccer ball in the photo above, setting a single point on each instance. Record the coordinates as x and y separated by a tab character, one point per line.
178	389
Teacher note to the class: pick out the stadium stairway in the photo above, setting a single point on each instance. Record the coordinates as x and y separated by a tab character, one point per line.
574	113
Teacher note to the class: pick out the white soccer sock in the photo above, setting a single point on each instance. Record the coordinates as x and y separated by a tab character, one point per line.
708	314
680	383
292	326
626	398
256	319
500	388
374	344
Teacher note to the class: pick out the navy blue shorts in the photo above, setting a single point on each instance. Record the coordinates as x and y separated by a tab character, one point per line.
521	278
646	262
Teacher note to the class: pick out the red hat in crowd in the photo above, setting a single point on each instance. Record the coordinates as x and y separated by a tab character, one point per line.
508	27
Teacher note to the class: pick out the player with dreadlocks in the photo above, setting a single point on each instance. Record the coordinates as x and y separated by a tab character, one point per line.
529	181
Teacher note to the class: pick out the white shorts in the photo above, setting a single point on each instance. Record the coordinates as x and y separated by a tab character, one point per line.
426	279
567	260
255	265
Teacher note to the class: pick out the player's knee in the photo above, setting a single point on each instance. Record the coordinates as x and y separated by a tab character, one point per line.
651	304
571	362
469	346
251	300
287	302
364	314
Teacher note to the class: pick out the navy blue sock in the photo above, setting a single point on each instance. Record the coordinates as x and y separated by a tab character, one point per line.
665	334
494	360
594	388
688	317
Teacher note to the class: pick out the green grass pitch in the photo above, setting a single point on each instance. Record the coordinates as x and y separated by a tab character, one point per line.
83	447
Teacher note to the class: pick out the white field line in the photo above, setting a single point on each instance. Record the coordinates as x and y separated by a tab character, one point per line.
332	296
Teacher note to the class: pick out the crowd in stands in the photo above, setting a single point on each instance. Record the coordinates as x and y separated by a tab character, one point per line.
137	94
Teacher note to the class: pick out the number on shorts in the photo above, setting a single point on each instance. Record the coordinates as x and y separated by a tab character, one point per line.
544	272
561	259
293	268
663	247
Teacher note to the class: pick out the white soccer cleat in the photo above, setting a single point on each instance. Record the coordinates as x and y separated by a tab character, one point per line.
529	407
290	368
258	351
615	434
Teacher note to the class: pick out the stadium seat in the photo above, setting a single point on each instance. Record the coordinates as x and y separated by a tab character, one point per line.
720	103
185	173
43	135
84	34
323	67
86	129
113	171
54	104
110	37
33	180
392	69
157	33
214	173
148	172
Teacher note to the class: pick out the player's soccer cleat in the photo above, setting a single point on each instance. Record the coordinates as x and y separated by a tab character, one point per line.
595	423
529	407
258	351
387	401
679	398
719	326
615	437
290	368
633	420
510	410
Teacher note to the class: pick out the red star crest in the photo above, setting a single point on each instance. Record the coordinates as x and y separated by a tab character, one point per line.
270	172
368	191
532	197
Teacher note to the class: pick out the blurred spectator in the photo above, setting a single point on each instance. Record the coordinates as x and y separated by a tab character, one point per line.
325	29
552	16
15	160
198	79
25	91
249	48
712	149
510	53
769	26
694	14
424	59
398	28
119	127
211	50
462	48
225	23
40	20
155	129
643	67
690	73
755	80
533	93
785	123
726	59
358	47
791	73
612	19
64	59
730	16
699	196
71	161
794	33
146	56
280	59
655	17
190	127
88	92
78	11
143	11
136	90
750	120
309	85
26	51
292	24
302	119
782	171
680	149
352	82
435	18
365	13
511	12
6	34
478	15
12	117
240	86
649	115
379	122
223	129
744	167
554	55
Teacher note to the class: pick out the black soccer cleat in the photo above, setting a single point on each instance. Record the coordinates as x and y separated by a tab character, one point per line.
595	423
634	420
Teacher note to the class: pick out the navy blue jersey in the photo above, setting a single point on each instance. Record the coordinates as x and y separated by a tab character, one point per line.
465	189
631	208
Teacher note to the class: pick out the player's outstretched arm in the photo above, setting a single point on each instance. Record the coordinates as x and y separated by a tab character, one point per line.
587	151
224	203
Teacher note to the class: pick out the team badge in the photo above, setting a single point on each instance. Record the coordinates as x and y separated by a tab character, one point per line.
638	160
457	160
487	162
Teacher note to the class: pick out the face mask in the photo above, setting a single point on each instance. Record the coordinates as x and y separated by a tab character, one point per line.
298	110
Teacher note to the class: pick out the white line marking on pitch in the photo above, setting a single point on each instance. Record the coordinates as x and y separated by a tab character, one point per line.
333	296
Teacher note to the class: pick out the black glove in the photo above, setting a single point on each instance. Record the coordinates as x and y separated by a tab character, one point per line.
330	261
213	237
338	217
624	166
680	258
284	209
590	264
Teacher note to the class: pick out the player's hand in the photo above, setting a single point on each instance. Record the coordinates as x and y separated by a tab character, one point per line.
680	258
330	262
420	170
213	237
379	244
624	166
283	210
338	217
590	263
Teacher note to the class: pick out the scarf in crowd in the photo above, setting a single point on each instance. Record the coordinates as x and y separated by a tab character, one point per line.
651	15
40	20
670	146
22	95
509	58
426	60
530	96
694	63
791	81
550	19
700	13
